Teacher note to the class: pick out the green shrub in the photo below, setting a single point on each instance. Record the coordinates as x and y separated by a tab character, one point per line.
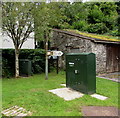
37	57
114	32
80	25
8	62
7	71
98	28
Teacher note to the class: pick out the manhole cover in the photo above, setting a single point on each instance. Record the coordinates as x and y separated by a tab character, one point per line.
16	111
99	111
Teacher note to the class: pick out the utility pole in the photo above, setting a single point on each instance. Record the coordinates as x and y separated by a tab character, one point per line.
46	57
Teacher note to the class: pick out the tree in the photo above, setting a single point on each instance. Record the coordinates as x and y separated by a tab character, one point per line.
94	17
47	16
18	24
77	15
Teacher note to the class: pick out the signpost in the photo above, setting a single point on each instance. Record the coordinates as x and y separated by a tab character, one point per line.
55	54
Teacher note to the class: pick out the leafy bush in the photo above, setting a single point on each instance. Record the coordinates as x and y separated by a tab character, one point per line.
6	70
114	32
8	62
80	25
98	28
37	57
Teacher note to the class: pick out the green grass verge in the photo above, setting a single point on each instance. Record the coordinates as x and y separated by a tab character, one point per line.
32	94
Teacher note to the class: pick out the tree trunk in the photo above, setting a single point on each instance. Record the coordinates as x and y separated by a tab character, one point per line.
16	63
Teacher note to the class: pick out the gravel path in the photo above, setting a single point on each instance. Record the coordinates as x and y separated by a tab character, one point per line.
111	76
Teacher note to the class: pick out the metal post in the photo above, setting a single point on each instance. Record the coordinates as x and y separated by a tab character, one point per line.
57	64
46	58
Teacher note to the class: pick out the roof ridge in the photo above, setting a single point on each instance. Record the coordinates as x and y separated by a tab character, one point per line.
86	37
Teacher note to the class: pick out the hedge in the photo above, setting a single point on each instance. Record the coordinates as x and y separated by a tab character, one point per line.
37	57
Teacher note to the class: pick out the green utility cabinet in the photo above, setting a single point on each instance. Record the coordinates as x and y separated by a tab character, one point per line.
81	72
25	67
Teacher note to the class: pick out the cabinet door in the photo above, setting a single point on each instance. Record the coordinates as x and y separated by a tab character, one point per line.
70	72
81	74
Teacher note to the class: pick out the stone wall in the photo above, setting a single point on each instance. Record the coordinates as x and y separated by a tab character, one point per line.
100	51
72	44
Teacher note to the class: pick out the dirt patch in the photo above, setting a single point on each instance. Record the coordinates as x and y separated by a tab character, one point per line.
35	90
100	111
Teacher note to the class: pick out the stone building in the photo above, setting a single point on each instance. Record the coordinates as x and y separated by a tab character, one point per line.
107	51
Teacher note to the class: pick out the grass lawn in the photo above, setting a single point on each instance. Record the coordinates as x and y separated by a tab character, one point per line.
32	94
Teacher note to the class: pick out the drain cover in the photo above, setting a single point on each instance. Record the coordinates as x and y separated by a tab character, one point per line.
16	111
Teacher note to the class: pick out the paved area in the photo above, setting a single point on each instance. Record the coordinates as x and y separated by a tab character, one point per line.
70	94
111	76
99	111
16	111
66	93
100	97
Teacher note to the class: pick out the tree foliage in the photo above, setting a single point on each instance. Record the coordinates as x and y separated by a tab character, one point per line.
47	16
17	21
94	17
